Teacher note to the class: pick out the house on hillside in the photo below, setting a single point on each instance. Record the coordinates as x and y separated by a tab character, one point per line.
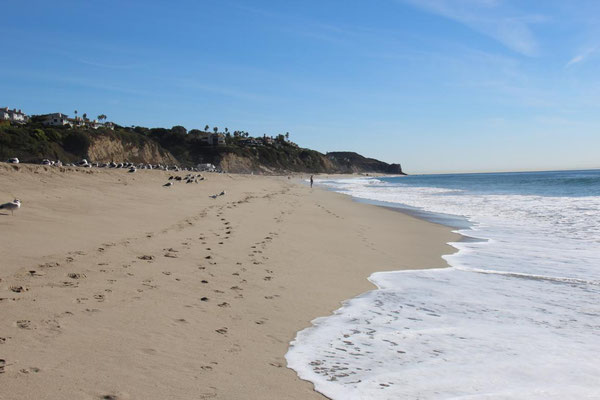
218	139
14	115
268	140
213	139
89	123
251	142
56	119
205	137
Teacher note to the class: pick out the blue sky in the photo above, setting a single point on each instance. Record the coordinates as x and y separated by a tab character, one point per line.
438	85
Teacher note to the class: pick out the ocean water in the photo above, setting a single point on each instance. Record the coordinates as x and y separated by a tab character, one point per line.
516	316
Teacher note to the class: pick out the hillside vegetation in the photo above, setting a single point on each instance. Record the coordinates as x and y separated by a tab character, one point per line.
33	142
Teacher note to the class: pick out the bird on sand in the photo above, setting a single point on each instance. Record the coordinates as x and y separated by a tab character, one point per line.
12	206
168	184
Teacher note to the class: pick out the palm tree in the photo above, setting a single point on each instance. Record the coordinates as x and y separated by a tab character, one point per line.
206	128
215	129
75	114
226	130
287	136
84	116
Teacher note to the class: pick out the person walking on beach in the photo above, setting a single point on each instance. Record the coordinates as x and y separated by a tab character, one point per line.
311	181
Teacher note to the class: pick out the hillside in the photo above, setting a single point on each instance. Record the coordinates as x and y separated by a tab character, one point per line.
353	162
237	153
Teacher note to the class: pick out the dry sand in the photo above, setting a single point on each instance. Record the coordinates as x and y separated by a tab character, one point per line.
112	285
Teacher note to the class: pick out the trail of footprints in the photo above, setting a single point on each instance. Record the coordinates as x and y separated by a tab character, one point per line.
76	280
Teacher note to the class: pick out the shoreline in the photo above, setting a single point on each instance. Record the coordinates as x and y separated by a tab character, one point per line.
108	247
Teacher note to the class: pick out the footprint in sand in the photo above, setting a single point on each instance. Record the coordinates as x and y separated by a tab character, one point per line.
23	324
30	369
99	297
222	331
74	275
49	265
18	289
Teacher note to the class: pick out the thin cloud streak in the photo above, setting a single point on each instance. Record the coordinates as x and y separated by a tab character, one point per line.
488	17
581	57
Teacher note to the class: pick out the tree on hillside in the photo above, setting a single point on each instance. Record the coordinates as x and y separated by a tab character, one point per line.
226	130
287	136
85	116
179	129
206	128
216	129
101	117
75	114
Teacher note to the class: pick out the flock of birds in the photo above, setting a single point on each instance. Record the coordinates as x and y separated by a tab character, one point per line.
189	178
131	166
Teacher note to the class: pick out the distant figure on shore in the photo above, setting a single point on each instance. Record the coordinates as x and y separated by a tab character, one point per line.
12	206
311	181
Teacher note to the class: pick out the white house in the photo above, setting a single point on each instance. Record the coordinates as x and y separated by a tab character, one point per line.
56	119
13	115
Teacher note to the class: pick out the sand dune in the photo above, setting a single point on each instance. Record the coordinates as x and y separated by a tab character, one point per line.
113	286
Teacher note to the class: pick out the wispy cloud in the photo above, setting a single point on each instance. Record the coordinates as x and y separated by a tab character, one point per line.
105	65
492	18
581	57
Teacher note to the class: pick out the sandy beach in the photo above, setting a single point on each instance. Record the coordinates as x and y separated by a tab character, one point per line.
115	287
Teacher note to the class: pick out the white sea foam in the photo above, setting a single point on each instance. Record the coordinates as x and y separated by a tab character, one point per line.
517	317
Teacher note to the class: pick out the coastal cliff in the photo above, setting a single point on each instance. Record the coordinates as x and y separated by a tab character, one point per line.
34	142
104	148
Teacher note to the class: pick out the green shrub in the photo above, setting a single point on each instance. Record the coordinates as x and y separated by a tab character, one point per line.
77	143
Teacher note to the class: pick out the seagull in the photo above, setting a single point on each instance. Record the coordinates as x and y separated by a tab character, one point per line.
168	184
12	206
132	169
222	193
